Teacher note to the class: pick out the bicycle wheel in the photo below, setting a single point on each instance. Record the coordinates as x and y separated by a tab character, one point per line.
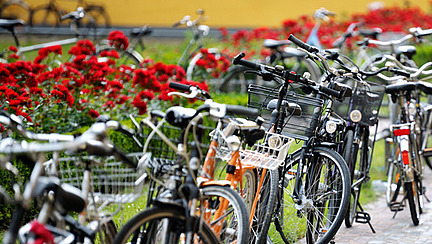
127	57
44	16
326	191
100	16
265	207
107	231
250	185
236	80
413	197
300	65
394	185
225	212
15	9
164	224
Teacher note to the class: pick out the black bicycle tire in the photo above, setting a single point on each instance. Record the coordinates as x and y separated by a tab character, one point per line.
226	83
413	201
265	216
344	195
158	212
41	8
124	56
349	153
238	205
108	231
391	195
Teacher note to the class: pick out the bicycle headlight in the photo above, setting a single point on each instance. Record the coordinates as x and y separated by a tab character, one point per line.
330	126
233	143
355	116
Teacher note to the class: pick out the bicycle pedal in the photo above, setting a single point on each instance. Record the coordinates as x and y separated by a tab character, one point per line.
396	206
362	217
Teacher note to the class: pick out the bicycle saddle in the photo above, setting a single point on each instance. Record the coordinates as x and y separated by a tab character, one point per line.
10	24
67	197
372	33
407	50
179	116
398	87
270	43
143	31
425	87
291	108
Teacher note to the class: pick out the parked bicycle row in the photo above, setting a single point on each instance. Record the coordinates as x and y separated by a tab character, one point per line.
296	162
290	166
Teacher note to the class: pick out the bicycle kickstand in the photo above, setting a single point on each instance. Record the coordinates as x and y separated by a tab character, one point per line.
364	218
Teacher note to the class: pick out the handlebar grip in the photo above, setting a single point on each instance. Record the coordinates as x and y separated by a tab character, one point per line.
241	110
330	92
179	86
400	72
238	60
303	45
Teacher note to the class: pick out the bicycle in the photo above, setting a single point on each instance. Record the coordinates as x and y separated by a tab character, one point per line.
251	171
49	15
74	17
63	198
314	179
181	191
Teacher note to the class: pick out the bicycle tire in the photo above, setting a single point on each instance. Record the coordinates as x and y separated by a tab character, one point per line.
44	16
14	9
107	231
350	156
265	207
174	223
234	228
413	197
236	80
294	219
250	185
394	184
128	57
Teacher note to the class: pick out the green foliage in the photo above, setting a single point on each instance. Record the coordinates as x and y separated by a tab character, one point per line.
424	54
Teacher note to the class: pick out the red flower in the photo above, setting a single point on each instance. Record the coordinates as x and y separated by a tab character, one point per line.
93	113
13	49
84	47
118	39
111	53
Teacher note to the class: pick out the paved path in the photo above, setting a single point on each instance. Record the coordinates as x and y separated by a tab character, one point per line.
392	230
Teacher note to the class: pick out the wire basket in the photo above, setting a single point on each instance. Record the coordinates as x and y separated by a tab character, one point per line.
366	98
270	152
111	180
294	126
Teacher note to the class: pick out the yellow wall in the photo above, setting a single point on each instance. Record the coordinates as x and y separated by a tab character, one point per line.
229	13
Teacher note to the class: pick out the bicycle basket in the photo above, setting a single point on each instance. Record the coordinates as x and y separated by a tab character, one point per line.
270	152
111	180
294	126
366	99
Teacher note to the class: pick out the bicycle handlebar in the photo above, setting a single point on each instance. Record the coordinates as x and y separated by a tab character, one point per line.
194	90
302	44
